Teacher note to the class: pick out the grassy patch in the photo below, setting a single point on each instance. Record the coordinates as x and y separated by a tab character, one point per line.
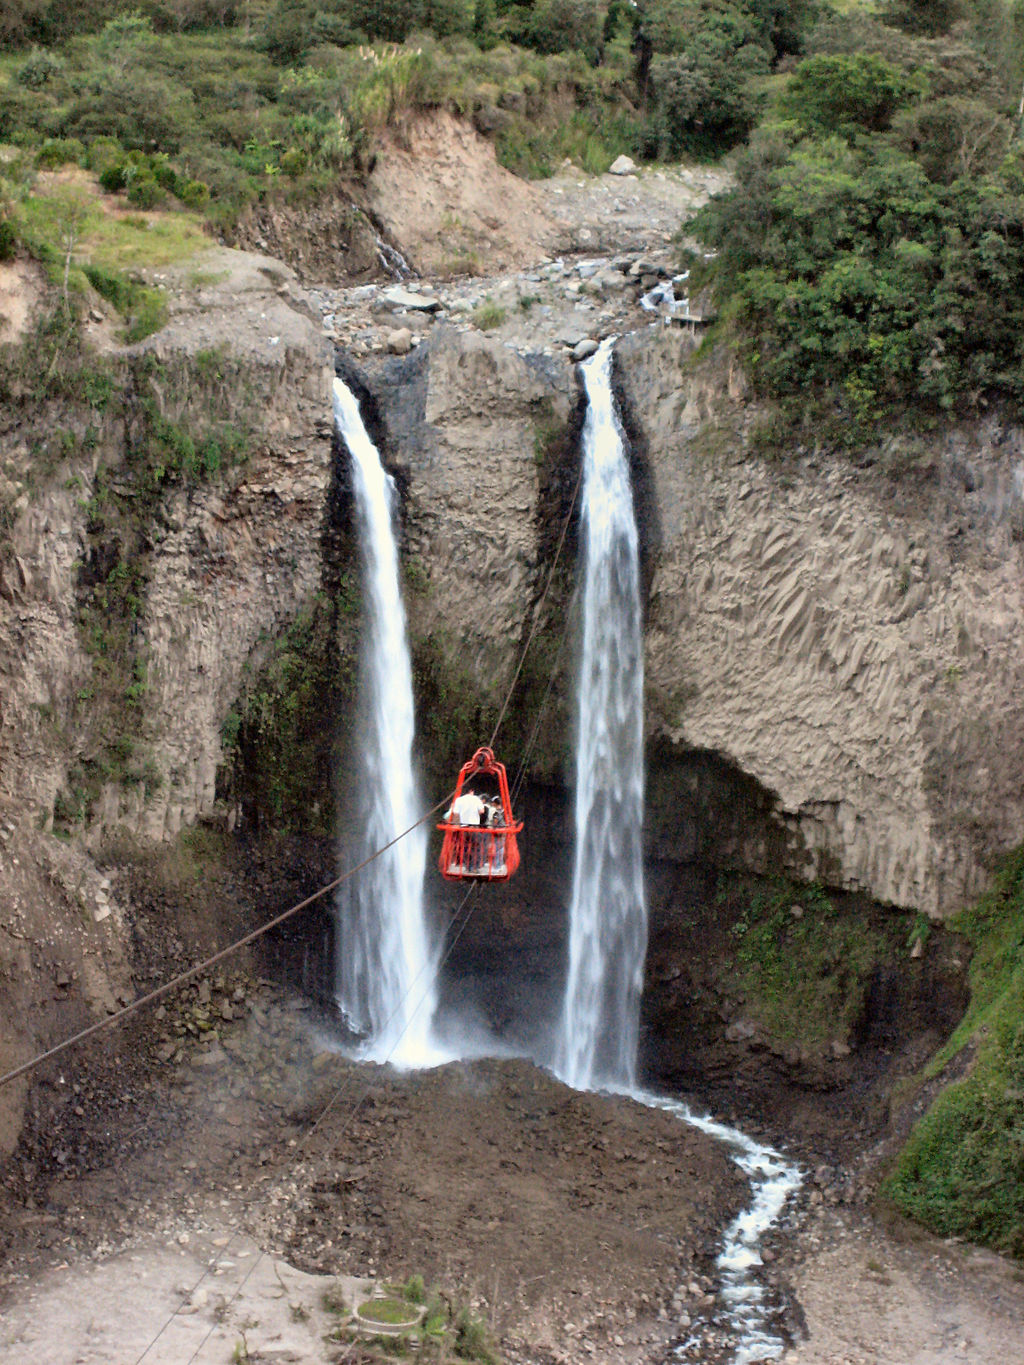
71	231
488	315
388	1312
802	966
962	1171
109	239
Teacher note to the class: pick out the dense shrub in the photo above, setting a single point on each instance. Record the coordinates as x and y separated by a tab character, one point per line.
845	93
103	154
140	109
60	151
144	192
39	69
550	26
851	272
702	103
8	240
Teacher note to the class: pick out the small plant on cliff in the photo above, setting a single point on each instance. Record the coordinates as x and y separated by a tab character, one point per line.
472	1340
803	965
488	315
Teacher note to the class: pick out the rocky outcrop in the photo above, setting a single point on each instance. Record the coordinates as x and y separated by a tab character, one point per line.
460	423
226	563
848	636
834	670
221	560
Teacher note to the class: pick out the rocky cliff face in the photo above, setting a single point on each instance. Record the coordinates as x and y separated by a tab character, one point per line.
135	596
835	677
848	637
221	559
463	422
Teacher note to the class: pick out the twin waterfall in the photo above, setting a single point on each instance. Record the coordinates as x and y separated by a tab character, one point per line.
385	970
597	1040
387	965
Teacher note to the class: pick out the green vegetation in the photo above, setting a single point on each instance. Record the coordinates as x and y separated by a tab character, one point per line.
962	1171
389	1312
65	226
212	105
803	965
280	760
451	705
489	314
870	258
415	1324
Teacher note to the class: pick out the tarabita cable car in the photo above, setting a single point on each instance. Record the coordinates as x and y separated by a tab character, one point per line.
479	832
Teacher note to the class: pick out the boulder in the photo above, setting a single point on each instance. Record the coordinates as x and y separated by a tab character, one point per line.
398	341
398	297
622	165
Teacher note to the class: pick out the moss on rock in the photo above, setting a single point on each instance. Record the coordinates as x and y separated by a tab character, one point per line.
283	736
962	1171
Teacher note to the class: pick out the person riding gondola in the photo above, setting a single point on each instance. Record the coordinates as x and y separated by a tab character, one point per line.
479	831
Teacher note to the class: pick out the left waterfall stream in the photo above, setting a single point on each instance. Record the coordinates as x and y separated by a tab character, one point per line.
386	962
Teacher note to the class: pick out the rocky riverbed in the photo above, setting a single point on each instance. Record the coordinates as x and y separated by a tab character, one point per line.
577	1226
258	1183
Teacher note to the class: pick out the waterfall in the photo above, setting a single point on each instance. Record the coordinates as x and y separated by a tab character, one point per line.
385	971
597	1042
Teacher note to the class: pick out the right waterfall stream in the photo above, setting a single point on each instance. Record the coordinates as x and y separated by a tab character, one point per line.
596	1044
597	1040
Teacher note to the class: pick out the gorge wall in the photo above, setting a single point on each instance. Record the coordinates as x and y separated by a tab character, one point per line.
834	664
846	635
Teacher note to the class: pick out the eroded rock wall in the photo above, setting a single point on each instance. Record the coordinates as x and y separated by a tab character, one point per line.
226	564
219	562
850	637
462	423
833	649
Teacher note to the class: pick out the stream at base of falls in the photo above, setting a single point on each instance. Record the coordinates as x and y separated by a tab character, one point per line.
772	1179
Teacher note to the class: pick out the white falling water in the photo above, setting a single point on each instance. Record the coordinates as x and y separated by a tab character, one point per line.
608	919
597	1042
386	968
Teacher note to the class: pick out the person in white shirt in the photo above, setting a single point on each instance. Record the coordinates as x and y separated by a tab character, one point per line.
467	809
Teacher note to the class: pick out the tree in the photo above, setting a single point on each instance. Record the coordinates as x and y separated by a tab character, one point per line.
842	93
702	103
851	273
72	204
21	21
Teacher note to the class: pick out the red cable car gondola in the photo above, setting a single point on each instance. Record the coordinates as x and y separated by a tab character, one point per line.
476	847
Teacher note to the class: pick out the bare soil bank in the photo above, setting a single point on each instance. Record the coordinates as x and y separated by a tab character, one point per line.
562	1218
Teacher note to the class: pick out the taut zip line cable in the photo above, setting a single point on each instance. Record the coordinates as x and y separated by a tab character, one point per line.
209	962
152	996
